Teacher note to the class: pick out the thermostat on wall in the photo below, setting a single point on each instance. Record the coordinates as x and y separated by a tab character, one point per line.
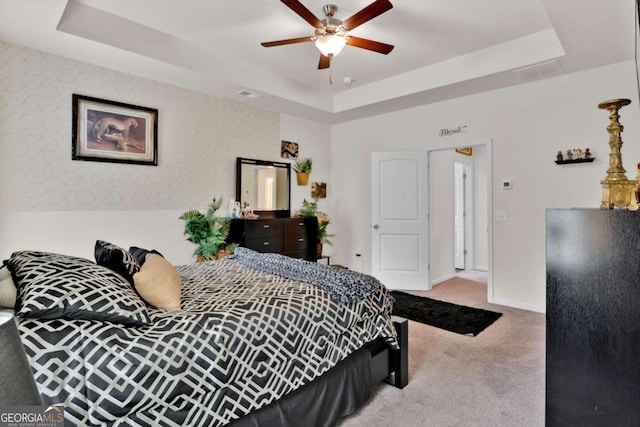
506	185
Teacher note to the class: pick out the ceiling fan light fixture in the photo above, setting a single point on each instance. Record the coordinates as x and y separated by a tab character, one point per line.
330	44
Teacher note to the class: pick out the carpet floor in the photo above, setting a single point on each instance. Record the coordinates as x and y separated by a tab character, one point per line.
496	379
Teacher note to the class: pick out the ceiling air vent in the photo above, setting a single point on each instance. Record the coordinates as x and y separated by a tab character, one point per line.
248	94
540	71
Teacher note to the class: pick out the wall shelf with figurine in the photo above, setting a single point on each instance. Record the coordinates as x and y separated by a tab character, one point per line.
575	155
565	162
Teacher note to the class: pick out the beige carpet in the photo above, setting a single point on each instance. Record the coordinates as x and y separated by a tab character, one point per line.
494	379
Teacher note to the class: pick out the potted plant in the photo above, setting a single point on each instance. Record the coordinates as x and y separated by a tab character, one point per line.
310	209
302	168
209	232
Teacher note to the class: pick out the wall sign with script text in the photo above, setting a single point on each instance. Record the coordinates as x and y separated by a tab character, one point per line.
452	131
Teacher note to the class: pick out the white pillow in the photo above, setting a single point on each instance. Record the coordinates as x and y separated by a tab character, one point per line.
7	289
158	283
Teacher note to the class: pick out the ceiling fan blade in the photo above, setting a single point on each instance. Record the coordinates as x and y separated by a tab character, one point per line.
369	44
286	41
325	62
376	8
304	13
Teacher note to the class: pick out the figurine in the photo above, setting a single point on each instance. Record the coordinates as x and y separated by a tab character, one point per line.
579	153
559	156
246	209
587	153
236	212
569	155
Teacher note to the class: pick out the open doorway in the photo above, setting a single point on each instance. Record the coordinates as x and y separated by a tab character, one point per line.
460	230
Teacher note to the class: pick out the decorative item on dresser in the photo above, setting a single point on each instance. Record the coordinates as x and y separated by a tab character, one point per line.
617	190
294	237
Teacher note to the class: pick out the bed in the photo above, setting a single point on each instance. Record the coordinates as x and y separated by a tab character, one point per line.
256	339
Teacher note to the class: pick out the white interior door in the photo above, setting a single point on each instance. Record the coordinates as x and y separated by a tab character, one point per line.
459	215
399	219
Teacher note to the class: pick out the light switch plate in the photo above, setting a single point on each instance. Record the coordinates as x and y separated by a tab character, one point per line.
501	216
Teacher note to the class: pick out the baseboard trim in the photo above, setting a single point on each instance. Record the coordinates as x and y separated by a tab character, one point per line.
518	305
442	279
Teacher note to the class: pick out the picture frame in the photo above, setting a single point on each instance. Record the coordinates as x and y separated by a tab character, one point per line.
318	190
467	151
110	131
289	150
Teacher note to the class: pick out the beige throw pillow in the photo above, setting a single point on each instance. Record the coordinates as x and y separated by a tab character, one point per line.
7	289
158	283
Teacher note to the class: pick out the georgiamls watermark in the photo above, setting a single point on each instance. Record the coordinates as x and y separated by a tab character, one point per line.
32	416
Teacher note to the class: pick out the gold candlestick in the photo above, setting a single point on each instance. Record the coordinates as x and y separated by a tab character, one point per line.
617	190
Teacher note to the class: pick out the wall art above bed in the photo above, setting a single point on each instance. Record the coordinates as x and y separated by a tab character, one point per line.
110	131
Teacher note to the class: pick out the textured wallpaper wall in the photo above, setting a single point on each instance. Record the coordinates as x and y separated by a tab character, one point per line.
199	137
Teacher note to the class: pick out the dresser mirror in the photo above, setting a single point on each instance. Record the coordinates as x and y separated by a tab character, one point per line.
264	185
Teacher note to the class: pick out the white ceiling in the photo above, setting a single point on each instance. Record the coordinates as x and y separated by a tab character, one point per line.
443	48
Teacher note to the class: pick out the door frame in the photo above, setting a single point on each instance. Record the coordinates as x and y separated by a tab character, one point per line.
488	143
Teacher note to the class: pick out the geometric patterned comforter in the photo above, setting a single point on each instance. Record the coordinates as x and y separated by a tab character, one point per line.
242	340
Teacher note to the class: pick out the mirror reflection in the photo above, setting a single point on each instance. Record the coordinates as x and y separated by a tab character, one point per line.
263	184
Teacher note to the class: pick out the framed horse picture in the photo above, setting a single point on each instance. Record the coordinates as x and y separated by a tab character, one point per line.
110	131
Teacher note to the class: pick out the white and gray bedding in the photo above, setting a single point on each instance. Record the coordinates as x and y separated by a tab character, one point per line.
243	339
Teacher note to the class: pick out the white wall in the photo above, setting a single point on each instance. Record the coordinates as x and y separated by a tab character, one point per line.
528	124
313	141
480	209
50	202
441	211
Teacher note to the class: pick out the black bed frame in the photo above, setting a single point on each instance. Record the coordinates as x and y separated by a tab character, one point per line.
342	390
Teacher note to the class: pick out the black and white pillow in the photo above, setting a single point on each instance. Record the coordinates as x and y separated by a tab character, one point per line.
117	259
140	254
52	286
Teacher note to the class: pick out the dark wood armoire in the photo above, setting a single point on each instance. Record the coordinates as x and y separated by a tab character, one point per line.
593	318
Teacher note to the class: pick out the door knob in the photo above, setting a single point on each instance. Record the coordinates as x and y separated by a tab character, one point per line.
375	226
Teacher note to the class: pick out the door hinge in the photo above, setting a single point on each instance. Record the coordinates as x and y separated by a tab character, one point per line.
465	252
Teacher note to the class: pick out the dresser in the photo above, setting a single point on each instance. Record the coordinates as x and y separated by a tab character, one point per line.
593	318
294	237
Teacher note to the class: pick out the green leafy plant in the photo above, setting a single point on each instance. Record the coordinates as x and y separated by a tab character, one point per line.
208	231
303	165
310	209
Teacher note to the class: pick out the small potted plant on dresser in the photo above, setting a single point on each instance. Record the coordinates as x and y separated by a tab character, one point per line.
209	232
310	209
302	168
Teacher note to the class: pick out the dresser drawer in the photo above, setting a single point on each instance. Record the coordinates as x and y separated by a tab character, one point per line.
295	227
297	254
263	228
265	244
294	242
295	237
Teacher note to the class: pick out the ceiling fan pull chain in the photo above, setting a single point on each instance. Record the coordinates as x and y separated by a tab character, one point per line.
330	79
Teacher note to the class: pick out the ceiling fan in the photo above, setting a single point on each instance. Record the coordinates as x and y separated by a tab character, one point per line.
332	34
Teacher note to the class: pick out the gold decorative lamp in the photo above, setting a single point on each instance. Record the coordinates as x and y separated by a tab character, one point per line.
617	190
